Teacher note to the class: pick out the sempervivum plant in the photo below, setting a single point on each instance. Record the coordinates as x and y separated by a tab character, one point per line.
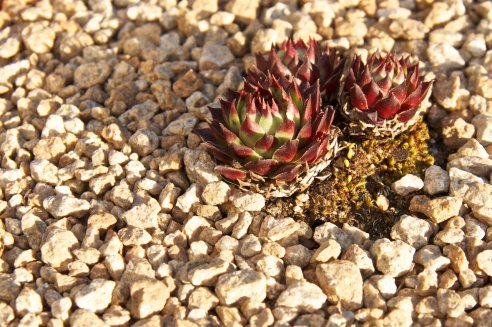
384	95
309	63
272	136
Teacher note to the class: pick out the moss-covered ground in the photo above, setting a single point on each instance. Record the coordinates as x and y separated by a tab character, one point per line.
364	171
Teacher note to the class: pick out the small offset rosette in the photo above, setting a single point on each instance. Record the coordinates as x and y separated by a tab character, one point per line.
384	96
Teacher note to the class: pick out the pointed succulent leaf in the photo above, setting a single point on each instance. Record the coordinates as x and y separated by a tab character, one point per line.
261	63
413	77
371	92
228	135
286	152
385	84
400	92
406	115
261	167
231	173
265	146
245	152
305	133
357	98
285	131
350	80
205	134
365	77
387	107
310	153
292	113
289	172
305	71
322	123
322	147
218	112
417	96
223	155
250	132
265	119
296	96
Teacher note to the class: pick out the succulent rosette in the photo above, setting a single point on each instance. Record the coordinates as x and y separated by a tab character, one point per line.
271	137
308	62
385	95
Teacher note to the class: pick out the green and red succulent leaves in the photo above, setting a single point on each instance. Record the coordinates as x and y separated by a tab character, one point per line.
308	62
385	88
272	128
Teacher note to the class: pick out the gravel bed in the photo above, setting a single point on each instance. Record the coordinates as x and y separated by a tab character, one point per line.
111	214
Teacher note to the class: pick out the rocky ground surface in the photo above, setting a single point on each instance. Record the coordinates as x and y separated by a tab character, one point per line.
112	214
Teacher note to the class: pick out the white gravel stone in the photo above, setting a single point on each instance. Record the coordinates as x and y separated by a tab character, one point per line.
90	74
449	303
207	274
61	308
478	166
44	171
241	285
54	126
438	209
361	258
82	317
460	181
484	261
393	258
302	296
342	283
39	37
143	215
216	193
483	125
60	206
10	47
189	198
168	197
56	247
200	167
28	302
182	125
431	258
144	141
407	184
241	227
412	230
472	148
445	56
248	201
329	231
282	228
148	296
479	198
96	296
436	180
249	246
215	56
326	251
485	295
